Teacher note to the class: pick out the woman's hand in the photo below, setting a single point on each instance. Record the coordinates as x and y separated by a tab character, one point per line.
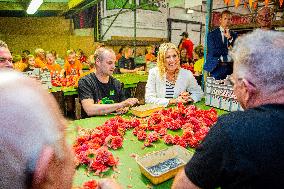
184	97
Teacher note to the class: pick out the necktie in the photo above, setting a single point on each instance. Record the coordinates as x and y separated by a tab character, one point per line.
225	58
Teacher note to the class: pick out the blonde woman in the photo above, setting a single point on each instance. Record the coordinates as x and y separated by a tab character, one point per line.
168	83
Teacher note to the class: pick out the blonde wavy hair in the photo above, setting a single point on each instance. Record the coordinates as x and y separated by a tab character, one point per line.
161	58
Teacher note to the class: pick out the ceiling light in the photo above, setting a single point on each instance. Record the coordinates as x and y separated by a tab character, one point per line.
190	11
33	6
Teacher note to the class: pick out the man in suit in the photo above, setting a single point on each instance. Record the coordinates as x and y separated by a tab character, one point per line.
220	40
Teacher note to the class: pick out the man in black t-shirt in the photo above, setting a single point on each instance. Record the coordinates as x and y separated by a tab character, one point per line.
246	149
99	92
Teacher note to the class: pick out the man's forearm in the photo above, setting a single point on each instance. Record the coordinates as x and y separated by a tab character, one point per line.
102	109
182	182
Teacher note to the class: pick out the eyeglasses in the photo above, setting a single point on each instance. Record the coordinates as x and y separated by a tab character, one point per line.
2	60
233	81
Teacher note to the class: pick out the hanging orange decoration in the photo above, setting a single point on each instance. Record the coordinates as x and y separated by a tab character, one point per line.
266	2
227	2
237	3
250	3
281	2
245	4
255	5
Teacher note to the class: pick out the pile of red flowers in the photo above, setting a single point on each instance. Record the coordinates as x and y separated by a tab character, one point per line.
194	122
65	82
91	146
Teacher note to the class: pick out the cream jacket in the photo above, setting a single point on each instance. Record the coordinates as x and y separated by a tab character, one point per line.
156	87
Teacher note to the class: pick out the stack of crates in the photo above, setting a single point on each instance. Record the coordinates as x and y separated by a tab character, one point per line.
220	94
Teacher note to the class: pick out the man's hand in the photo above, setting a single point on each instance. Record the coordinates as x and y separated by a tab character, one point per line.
122	110
108	184
129	102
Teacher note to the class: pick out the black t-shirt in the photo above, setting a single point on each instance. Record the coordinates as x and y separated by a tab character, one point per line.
243	150
126	63
89	87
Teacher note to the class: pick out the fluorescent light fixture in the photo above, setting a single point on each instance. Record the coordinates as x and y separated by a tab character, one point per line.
33	6
190	11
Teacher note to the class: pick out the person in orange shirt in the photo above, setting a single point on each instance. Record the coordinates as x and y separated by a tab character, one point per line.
40	60
72	66
18	64
52	66
149	57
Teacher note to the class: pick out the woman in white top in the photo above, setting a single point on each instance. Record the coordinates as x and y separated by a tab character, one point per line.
168	83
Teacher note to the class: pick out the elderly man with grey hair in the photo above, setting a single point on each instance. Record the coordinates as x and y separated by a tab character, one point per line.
245	149
5	56
33	150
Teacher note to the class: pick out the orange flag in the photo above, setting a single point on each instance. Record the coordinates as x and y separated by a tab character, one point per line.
250	3
255	5
266	2
281	2
245	4
237	3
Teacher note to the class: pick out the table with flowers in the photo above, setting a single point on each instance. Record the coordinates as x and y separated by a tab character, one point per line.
123	145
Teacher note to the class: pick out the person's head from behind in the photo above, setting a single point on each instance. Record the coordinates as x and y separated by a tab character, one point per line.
225	19
105	61
40	53
17	58
6	58
71	56
25	53
50	59
31	60
168	58
34	153
184	35
258	67
198	52
264	17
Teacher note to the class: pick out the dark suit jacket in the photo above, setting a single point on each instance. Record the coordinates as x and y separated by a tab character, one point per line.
216	49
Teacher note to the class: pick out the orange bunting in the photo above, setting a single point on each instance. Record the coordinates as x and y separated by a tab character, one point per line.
250	3
237	3
266	2
227	2
255	5
281	2
245	4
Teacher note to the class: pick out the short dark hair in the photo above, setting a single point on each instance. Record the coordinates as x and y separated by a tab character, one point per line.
225	12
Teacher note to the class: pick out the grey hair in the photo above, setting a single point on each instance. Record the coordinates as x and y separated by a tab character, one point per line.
3	44
28	124
259	57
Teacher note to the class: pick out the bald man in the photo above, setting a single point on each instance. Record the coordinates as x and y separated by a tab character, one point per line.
33	150
5	56
264	18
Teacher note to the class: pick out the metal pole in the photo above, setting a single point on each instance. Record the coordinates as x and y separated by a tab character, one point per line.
209	4
135	29
102	36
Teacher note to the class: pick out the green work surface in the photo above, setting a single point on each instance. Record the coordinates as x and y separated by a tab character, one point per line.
129	175
129	80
